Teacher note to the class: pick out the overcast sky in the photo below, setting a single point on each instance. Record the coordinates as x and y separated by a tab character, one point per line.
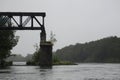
73	21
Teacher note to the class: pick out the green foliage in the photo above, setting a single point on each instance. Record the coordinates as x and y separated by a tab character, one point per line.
10	63
7	41
103	50
52	38
30	63
55	59
64	63
36	56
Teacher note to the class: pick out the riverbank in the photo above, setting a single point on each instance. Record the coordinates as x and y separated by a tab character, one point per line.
29	63
64	63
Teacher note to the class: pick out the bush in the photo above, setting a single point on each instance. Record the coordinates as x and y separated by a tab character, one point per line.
30	63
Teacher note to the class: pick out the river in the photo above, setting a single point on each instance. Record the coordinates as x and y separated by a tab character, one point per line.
63	72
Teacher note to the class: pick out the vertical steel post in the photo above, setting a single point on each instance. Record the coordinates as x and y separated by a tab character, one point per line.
20	21
43	20
32	21
43	32
9	21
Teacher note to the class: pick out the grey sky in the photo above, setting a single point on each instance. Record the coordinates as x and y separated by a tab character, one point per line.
73	21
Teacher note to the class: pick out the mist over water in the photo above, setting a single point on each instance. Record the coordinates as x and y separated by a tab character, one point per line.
71	72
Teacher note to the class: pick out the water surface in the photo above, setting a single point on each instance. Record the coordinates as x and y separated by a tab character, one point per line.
70	72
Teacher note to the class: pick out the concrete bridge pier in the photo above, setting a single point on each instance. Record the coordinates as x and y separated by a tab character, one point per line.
46	55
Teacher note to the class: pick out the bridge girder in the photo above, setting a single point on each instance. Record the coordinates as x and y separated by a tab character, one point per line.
8	18
19	22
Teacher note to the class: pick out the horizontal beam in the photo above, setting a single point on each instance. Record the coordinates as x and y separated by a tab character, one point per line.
20	28
43	14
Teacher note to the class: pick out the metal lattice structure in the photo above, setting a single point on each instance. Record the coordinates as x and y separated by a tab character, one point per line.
20	23
8	17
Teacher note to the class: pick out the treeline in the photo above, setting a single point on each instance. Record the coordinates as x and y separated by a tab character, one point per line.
103	50
19	58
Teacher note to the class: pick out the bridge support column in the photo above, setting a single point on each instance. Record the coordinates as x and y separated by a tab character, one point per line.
46	55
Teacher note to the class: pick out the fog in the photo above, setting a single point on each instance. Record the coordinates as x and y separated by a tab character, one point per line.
72	21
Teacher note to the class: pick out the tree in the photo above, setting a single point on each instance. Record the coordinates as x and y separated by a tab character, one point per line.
52	38
103	50
7	41
36	54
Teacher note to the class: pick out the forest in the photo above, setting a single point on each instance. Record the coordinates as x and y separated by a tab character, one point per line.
106	50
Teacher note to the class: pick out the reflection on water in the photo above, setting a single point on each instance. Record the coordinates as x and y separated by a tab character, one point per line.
19	63
74	72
